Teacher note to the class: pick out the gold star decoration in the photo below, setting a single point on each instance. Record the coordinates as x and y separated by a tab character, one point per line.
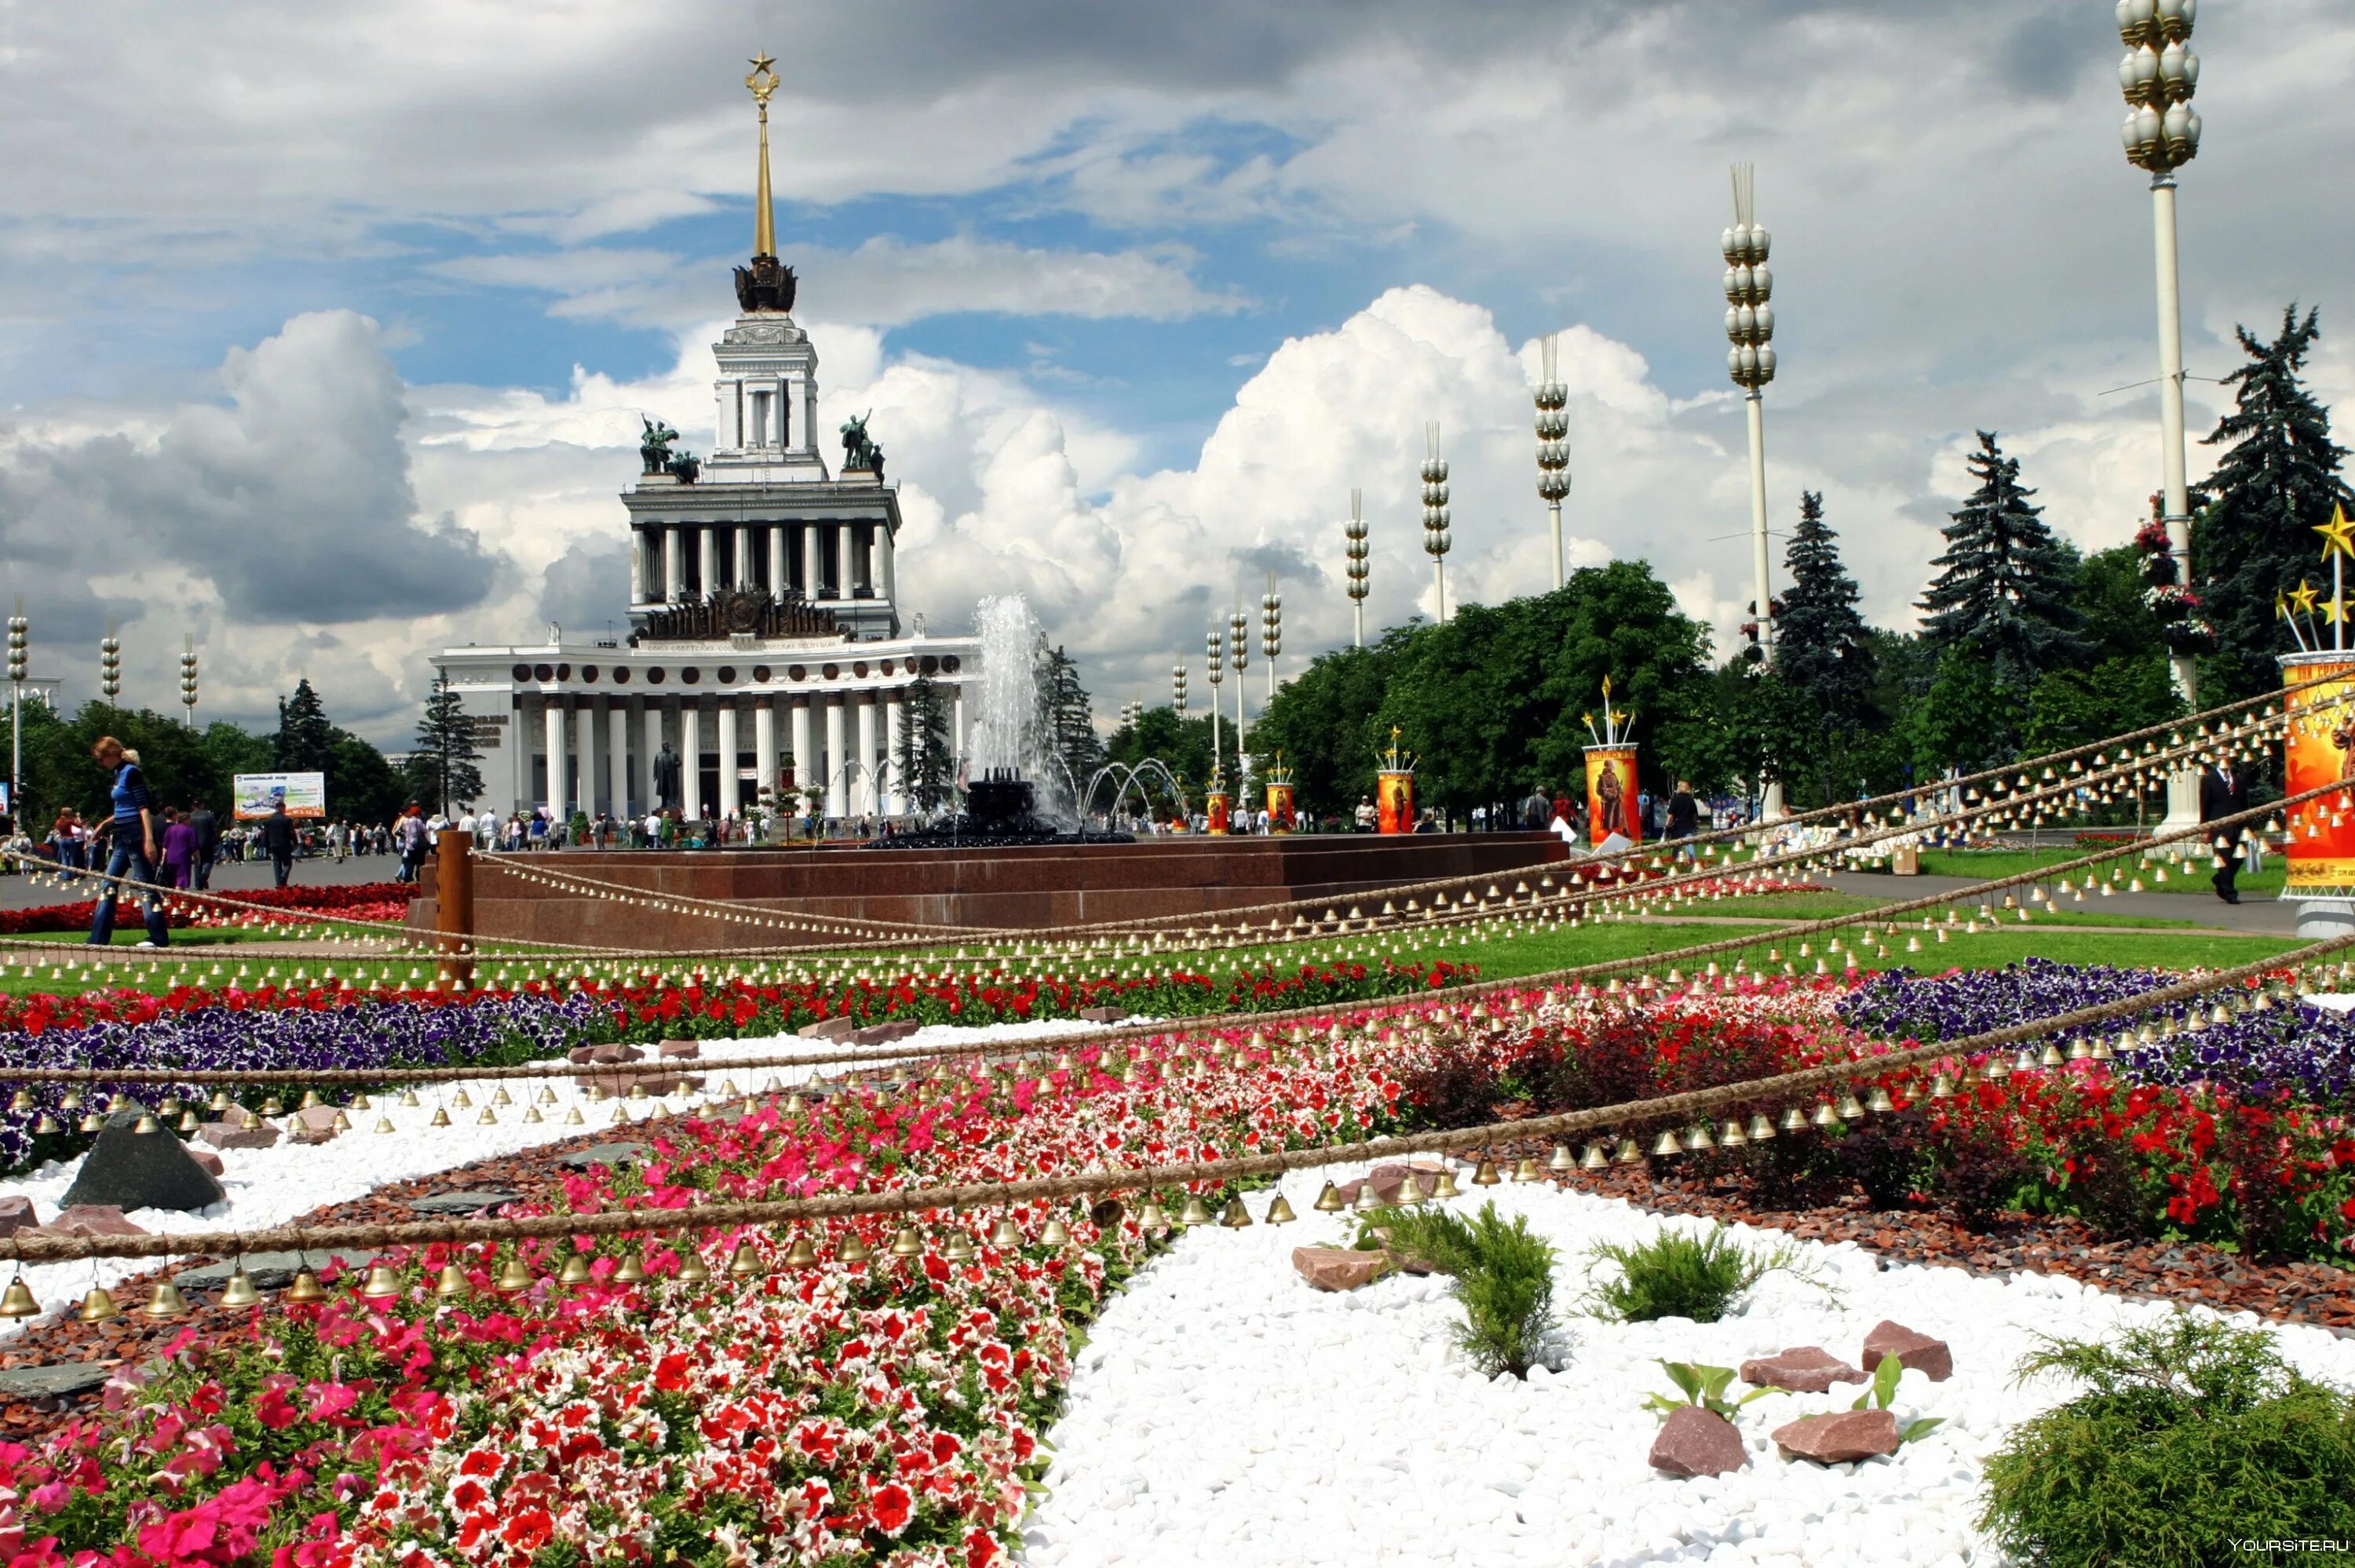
764	79
2335	610
2338	534
2304	596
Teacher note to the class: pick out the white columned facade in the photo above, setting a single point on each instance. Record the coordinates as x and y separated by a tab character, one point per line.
556	754
706	559
798	737
743	556
868	801
846	553
691	759
890	568
813	557
617	765
731	797
895	797
650	728
673	543
765	742
837	803
584	741
778	576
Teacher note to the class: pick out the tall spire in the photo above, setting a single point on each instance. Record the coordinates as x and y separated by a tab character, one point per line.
766	285
763	82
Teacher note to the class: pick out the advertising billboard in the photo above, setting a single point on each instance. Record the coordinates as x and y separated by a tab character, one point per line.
305	794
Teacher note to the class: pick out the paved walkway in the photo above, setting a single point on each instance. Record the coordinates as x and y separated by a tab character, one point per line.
2259	913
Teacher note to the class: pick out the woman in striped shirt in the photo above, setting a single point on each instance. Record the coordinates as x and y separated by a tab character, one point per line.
130	839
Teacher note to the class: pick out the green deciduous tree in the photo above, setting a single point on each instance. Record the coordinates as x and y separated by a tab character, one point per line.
2005	585
2076	707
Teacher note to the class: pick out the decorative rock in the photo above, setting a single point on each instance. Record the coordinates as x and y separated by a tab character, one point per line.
58	1381
1839	1438
1914	1351
828	1028
1697	1442
204	1157
1389	1180
581	1055
235	1135
315	1124
606	1154
1104	1015
1340	1269
671	1048
16	1214
472	1200
884	1033
132	1169
91	1220
610	1053
1803	1369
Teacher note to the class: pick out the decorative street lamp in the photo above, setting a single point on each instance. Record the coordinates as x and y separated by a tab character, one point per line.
1750	323
1270	636
1239	655
1215	646
110	666
1553	443
1355	531
1435	538
188	681
1178	687
20	653
2161	134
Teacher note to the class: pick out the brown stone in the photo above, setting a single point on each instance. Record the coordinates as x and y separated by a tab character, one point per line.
581	1055
91	1220
1339	1268
315	1124
1697	1442
1104	1015
609	1053
675	1048
1839	1438
204	1157
1803	1369
235	1135
1914	1351
16	1214
619	1084
828	1028
1389	1180
884	1033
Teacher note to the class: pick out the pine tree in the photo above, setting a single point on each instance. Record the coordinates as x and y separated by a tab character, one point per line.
306	741
1821	645
1066	725
2278	480
923	763
2004	593
445	765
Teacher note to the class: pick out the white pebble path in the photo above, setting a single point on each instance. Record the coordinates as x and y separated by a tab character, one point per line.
1226	1413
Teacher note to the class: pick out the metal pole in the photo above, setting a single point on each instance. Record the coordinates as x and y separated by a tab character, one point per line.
1439	587
1553	513
1771	789
2183	787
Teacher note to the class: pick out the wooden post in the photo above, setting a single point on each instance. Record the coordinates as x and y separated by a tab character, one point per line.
453	910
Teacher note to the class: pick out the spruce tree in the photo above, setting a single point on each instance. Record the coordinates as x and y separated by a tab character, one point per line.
2003	593
306	741
446	764
1821	645
2278	480
923	762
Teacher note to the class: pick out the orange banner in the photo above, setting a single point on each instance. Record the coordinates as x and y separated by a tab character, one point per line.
1611	802
1281	816
1216	812
1394	799
2321	849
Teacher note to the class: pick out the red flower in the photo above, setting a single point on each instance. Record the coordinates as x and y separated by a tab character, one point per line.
892	1508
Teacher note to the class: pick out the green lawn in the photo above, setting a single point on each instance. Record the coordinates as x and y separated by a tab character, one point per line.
1825	905
1981	865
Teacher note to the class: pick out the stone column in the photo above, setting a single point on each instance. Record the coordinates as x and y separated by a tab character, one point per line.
637	567
765	742
617	763
778	576
837	800
731	797
707	563
889	552
691	759
556	754
517	757
813	558
673	543
743	555
895	797
584	739
868	801
805	756
845	578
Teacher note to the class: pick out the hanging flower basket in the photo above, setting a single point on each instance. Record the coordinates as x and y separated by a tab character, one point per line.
2172	606
2194	634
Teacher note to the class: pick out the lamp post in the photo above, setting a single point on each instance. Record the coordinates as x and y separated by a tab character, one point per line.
1355	531
1215	647
1178	687
19	651
2161	134
1750	324
1271	635
1435	538
1554	442
110	666
1239	654
188	685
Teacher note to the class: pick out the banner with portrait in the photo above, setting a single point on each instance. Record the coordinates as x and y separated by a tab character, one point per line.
1215	817
258	794
1394	801
1281	814
2321	750
1611	805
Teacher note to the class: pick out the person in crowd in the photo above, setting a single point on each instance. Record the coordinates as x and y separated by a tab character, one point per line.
206	825
1565	828
1684	811
2223	793
131	844
179	849
275	835
69	841
1536	811
1366	816
409	835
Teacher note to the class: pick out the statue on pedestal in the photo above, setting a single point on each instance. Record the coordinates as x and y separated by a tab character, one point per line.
666	794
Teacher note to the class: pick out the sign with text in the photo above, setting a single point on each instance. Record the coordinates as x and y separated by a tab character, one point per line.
258	794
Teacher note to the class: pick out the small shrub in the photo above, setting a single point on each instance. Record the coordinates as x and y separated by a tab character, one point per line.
1678	1275
1503	1277
1705	1387
1883	1394
2193	1435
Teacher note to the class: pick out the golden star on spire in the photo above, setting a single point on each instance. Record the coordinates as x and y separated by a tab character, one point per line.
2338	534
2304	596
764	79
2335	610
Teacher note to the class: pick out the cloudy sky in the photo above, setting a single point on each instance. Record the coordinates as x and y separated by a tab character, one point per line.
325	330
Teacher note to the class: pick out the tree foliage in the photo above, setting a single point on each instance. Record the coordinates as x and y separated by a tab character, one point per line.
444	769
924	765
2004	588
1823	649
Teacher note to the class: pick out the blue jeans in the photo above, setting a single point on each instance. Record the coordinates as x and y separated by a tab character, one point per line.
128	855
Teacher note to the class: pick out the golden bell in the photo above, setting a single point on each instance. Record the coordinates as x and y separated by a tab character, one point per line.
188	1122
219	1102
271	1107
1280	1212
1329	1200
907	1243
1366	1197
1561	1159
801	1254
1054	1232
960	1249
1761	1130
239	1290
1795	1121
1878	1102
359	1103
1666	1144
1150	1219
513	1279
452	1281
1196	1212
621	1117
488	1118
461	1099
744	1263
1593	1158
310	1098
98	1305
630	1270
500	1098
547	1096
1696	1136
1942	1087
574	1118
408	1100
147	1123
1631	1153
440	1116
1731	1135
1824	1117
305	1288
71	1100
382	1284
1485	1174
1234	1217
1005	1234
854	1250
166	1303
90	1122
17	1301
1528	1170
692	1269
1851	1108
22	1100
574	1273
47	1124
1447	1188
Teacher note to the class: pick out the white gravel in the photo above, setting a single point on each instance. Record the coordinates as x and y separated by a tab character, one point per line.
271	1186
1226	1413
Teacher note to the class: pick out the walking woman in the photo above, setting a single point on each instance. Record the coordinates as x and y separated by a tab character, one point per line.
131	847
179	849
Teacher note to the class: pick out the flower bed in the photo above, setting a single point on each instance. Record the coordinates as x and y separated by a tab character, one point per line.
386	901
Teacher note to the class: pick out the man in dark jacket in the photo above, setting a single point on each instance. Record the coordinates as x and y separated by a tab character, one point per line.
207	827
1684	811
278	839
2223	793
